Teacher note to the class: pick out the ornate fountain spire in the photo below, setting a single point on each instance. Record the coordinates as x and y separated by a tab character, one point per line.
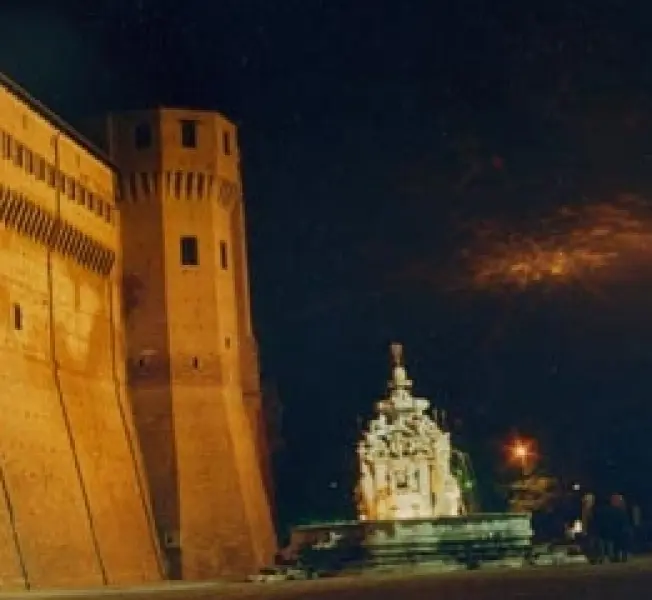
399	379
397	353
405	458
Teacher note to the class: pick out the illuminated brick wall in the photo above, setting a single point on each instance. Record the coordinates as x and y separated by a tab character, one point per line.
74	505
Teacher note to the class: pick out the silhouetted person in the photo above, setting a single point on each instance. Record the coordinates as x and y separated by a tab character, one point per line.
592	518
617	529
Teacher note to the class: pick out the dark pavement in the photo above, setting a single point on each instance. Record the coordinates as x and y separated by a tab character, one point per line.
632	581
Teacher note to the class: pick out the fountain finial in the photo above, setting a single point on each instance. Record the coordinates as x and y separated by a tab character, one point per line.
399	373
397	353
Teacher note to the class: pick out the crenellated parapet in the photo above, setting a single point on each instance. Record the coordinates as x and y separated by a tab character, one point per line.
47	172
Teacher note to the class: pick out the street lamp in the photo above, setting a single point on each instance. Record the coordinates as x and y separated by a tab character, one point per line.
521	452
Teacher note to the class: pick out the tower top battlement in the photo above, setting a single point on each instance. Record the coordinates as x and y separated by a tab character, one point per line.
170	140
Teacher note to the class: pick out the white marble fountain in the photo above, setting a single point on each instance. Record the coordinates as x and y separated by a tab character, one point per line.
410	505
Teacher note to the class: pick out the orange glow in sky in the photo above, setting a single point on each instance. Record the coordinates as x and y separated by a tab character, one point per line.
572	244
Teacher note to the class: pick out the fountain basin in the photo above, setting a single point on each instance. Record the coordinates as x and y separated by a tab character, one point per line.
470	541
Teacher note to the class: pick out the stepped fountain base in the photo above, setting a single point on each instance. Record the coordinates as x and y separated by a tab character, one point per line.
473	541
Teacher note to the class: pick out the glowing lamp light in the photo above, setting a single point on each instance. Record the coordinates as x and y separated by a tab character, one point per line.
521	452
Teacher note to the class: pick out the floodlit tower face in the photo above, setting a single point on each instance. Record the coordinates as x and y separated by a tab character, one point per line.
191	352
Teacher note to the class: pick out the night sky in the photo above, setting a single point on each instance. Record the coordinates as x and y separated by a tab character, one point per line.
377	136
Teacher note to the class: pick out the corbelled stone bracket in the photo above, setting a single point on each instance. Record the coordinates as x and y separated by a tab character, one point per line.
24	216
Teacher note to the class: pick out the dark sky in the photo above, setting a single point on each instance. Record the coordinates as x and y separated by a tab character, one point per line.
376	134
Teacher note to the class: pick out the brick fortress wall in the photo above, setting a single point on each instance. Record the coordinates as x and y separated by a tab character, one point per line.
74	505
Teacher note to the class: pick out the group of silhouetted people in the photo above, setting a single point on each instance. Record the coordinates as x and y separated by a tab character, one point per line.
608	531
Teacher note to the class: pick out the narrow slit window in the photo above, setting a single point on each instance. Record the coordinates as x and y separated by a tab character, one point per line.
224	255
18	317
189	251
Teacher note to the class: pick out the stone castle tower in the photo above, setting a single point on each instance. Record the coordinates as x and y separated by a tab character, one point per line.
191	352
